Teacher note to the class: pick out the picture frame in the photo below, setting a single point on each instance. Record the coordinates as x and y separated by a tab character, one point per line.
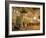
9	12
